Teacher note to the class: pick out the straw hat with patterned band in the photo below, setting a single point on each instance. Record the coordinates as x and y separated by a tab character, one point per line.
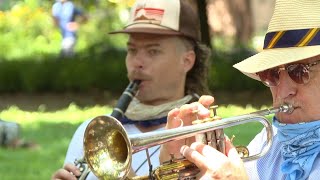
163	17
293	35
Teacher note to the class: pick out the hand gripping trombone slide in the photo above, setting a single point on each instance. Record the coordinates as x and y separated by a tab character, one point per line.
117	113
108	148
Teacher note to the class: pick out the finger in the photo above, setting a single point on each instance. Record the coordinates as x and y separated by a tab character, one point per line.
209	152
187	113
202	111
206	100
228	144
193	111
194	157
232	153
63	174
172	147
72	169
173	120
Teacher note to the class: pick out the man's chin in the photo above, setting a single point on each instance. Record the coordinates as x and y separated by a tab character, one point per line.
142	98
288	118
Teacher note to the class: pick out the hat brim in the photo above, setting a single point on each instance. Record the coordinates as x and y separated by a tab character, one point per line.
270	58
148	29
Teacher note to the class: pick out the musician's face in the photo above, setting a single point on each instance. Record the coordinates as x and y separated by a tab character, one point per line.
304	97
161	62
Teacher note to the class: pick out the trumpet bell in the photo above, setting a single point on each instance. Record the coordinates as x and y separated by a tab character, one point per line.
107	148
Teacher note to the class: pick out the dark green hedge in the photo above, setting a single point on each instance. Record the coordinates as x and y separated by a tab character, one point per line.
91	73
222	76
103	72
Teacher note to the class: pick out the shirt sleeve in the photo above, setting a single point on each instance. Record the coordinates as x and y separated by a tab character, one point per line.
75	149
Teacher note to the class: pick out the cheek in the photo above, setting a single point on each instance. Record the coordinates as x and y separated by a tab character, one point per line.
312	96
128	65
274	95
175	71
167	67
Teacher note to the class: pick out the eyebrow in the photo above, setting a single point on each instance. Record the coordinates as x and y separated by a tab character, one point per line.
145	46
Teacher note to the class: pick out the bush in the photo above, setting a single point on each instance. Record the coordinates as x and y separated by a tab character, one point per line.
57	75
103	71
27	29
222	76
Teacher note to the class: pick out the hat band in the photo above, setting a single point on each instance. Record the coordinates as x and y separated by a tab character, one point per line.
292	38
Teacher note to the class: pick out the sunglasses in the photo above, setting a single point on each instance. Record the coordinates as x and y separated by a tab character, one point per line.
299	73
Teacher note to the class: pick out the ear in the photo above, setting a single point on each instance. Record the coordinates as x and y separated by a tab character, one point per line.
189	59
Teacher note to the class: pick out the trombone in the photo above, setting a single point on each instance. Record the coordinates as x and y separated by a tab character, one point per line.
108	148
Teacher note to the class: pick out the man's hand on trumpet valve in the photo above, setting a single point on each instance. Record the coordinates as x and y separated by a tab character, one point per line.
213	164
68	172
184	117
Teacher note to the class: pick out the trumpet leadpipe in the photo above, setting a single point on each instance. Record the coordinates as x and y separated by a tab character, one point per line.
142	141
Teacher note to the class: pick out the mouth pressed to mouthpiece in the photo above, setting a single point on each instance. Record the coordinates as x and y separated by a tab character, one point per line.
287	108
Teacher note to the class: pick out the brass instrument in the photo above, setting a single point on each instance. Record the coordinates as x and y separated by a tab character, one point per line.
117	113
108	148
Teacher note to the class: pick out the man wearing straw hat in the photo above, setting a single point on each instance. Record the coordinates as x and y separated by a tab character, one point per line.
290	65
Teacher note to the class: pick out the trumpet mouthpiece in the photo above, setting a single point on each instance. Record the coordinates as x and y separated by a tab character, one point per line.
287	108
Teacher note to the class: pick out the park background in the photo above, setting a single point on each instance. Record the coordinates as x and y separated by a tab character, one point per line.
49	96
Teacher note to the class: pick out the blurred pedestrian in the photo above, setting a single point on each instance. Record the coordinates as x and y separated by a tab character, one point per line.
65	14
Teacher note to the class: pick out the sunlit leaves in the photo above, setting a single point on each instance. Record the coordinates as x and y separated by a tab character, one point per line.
27	28
128	3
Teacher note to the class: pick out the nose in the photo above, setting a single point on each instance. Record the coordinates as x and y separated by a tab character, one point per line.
137	61
287	87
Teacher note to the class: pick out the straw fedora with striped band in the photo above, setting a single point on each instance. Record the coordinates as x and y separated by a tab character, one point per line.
163	17
293	35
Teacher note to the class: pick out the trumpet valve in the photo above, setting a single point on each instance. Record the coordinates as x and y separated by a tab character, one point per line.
213	110
213	113
198	121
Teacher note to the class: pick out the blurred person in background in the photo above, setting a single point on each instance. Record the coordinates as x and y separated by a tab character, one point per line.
165	53
65	15
10	136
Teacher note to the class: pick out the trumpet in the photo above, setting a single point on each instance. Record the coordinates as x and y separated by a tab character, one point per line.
108	148
117	113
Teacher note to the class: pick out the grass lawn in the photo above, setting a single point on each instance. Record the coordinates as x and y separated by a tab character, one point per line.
53	131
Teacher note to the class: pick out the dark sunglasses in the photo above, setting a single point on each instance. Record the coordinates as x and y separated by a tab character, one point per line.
299	73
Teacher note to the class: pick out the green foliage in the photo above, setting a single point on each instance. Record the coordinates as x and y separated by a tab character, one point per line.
240	132
30	46
27	29
103	69
223	76
59	75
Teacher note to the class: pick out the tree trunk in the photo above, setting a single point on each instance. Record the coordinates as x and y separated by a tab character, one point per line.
205	34
200	6
241	13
